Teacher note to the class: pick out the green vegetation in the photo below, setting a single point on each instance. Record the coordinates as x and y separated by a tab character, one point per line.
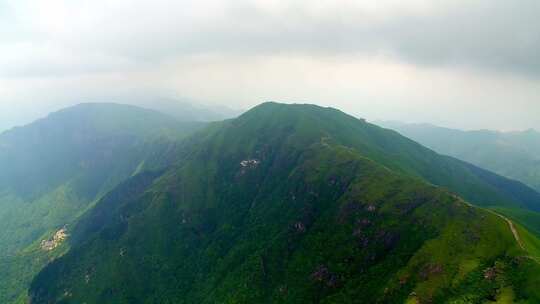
529	219
298	204
56	168
513	154
530	242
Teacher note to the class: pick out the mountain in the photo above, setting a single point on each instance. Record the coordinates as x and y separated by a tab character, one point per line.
56	168
299	204
184	109
515	155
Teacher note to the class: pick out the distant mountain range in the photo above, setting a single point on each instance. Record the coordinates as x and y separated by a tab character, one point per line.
512	154
182	109
515	155
284	204
54	169
185	109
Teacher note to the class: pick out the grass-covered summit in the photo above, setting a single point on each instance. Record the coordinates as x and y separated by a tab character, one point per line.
298	204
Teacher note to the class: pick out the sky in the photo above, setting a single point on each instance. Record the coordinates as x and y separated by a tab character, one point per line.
466	64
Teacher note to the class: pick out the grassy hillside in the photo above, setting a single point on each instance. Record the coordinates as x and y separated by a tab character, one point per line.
529	219
54	169
297	204
392	150
530	242
512	154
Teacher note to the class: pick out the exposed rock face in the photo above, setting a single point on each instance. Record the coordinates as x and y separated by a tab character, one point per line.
323	275
250	163
300	227
371	208
490	273
55	241
430	271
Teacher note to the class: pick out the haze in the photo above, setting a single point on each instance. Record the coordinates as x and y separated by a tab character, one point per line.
465	64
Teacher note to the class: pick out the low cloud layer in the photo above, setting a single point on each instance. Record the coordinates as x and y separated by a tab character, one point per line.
460	63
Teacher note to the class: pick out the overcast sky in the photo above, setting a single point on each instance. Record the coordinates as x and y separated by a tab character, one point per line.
459	63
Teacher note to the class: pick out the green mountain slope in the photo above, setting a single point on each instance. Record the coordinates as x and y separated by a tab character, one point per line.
56	168
297	204
512	154
529	219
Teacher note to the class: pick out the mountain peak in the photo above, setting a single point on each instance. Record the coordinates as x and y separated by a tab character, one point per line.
273	105
281	203
321	117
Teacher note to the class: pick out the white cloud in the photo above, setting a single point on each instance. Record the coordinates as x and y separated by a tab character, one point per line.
415	60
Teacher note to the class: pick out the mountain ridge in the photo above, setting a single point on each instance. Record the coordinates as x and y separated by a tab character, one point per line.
511	154
59	166
292	204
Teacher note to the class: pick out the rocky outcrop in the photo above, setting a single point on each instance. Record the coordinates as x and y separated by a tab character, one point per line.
55	241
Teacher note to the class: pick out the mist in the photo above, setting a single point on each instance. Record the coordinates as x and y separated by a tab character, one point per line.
378	60
181	151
